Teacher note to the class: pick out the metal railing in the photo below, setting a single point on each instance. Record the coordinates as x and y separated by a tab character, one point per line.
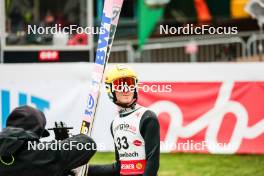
253	44
220	49
122	53
209	49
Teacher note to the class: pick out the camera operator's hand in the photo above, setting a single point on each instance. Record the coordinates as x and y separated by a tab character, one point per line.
61	131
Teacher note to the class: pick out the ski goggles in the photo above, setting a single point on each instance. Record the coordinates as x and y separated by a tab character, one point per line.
124	84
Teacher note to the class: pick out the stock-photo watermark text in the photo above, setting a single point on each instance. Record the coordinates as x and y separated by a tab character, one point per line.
190	29
58	145
58	28
156	88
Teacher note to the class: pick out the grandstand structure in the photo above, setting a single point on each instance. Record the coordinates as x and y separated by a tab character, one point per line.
17	46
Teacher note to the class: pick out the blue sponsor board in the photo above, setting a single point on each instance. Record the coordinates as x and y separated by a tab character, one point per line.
23	99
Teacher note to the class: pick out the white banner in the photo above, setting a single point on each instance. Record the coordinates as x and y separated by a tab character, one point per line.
60	90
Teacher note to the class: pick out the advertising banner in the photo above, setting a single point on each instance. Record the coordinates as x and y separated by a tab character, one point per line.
205	108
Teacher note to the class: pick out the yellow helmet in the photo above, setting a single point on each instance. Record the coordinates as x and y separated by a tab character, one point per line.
117	72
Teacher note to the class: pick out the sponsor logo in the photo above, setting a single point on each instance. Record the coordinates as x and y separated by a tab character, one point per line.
127	166
23	99
85	127
103	41
139	166
137	143
90	105
128	155
125	127
227	115
132	167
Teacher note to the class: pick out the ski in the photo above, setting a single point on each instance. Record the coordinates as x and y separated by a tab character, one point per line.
116	10
110	17
105	42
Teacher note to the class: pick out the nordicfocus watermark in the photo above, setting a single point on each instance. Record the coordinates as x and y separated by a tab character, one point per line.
190	29
190	145
156	88
57	145
58	28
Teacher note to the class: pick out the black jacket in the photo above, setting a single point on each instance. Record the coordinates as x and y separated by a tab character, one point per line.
47	162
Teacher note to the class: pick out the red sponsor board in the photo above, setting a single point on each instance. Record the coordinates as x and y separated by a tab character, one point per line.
214	117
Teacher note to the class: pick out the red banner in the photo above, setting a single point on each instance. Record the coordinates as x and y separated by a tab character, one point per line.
214	117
